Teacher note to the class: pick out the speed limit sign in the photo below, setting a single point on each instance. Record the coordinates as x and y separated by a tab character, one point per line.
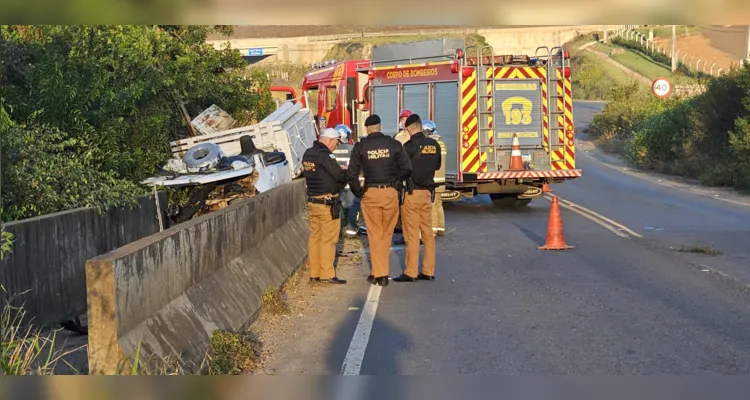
661	87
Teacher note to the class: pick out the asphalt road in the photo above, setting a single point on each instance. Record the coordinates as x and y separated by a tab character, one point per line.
623	301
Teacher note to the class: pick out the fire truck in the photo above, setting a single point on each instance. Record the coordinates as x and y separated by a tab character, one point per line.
479	102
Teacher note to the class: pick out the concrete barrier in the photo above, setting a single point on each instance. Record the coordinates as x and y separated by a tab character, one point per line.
46	269
171	290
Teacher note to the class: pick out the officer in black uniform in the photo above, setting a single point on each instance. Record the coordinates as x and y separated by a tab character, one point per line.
325	178
385	164
416	213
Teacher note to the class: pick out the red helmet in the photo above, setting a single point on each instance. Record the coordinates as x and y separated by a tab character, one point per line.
405	114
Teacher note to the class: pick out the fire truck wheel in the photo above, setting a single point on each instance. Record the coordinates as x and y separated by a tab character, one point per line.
509	200
503	199
523	202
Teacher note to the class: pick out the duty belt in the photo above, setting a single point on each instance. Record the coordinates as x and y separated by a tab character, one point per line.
380	185
328	200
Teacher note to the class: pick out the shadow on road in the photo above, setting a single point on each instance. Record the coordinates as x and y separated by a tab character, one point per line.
482	204
530	234
385	343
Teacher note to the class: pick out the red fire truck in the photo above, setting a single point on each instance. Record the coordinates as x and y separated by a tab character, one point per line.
477	99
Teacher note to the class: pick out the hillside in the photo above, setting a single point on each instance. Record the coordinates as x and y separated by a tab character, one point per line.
284	31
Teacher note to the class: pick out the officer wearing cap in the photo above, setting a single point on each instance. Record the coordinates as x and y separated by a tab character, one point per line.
438	216
384	163
325	179
424	154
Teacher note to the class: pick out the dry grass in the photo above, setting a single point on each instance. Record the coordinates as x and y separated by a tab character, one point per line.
698	248
275	301
24	350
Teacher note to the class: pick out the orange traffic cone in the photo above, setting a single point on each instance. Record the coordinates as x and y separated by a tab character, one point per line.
516	161
555	236
546	189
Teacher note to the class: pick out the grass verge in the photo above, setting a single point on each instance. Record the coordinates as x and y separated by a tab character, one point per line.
641	63
697	248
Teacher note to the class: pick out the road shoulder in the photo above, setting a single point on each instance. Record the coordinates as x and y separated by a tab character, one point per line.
312	338
693	186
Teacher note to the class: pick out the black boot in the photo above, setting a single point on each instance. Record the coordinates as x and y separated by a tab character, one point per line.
404	278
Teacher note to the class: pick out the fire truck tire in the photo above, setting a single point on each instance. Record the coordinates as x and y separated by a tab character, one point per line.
509	200
503	199
523	202
202	157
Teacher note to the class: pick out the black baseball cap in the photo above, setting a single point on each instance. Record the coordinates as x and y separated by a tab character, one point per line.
413	119
372	120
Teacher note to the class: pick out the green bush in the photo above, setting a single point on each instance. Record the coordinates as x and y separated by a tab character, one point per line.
589	82
705	137
99	104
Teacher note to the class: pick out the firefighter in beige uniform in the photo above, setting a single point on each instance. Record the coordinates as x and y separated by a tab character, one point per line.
438	217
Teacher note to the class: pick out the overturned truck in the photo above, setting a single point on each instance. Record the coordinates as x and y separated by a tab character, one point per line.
219	166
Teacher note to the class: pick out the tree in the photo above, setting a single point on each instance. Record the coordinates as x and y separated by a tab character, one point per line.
95	107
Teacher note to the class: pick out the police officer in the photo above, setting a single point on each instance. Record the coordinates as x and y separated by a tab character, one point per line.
438	216
349	202
385	165
402	136
325	179
424	154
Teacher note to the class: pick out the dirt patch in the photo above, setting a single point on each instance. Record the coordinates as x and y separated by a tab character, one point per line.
708	45
313	308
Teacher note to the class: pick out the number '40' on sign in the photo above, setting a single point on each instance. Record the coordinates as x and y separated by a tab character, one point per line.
661	87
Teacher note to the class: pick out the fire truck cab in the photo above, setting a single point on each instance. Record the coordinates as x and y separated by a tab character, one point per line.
477	99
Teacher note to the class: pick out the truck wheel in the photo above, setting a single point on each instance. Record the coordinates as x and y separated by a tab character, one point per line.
504	200
522	202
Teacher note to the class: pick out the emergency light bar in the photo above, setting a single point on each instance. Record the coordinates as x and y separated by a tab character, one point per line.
323	64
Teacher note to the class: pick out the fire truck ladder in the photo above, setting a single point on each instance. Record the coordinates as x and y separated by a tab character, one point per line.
553	95
485	105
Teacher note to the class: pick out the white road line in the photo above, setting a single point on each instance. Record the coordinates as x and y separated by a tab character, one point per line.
595	217
356	352
602	217
595	220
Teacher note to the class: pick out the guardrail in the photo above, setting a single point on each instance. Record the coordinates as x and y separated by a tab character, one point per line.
351	36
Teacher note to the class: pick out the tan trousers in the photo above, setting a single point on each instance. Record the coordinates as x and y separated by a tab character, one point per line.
438	216
380	210
321	247
417	217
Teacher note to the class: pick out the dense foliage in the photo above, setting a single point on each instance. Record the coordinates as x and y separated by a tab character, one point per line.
705	137
92	108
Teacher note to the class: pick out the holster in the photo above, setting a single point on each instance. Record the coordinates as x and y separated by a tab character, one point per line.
401	193
336	210
410	186
432	194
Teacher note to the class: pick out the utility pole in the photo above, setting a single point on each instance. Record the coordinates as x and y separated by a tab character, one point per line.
605	33
747	48
674	48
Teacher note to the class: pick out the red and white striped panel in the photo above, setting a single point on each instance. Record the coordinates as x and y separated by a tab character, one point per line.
565	173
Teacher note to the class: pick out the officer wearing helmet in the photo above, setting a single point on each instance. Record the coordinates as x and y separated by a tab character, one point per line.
349	201
403	135
324	178
438	217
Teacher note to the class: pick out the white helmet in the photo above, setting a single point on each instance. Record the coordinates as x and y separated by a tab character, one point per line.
344	131
428	127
